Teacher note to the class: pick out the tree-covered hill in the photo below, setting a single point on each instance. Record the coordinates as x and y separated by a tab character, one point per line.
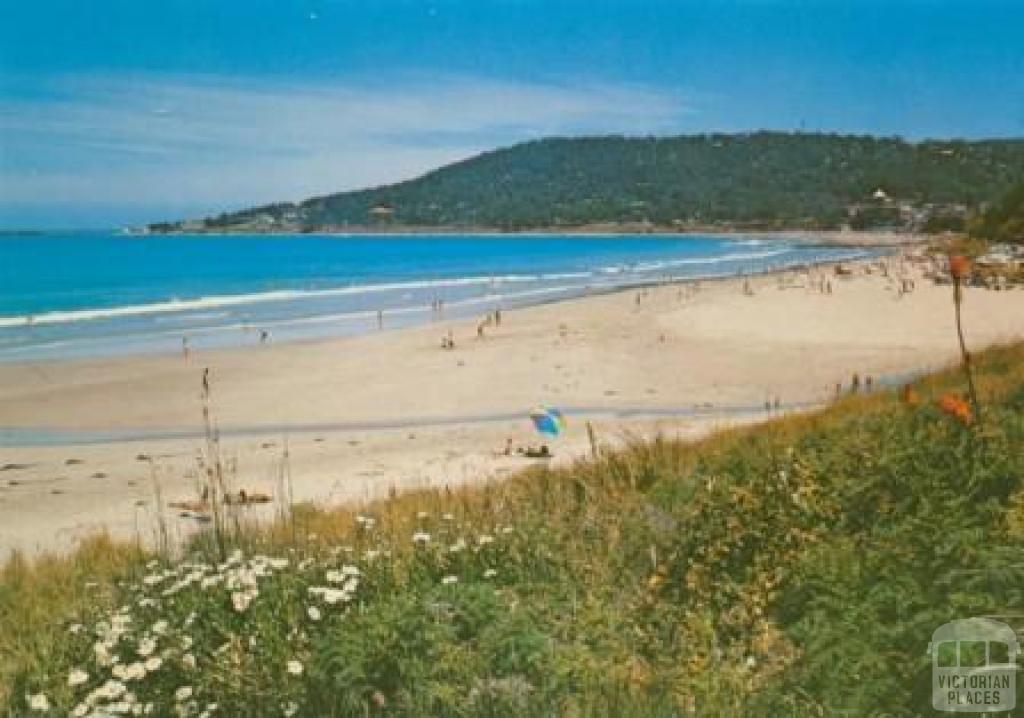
765	178
1004	220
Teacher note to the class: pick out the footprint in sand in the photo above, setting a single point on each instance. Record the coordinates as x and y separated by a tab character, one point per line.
73	462
14	467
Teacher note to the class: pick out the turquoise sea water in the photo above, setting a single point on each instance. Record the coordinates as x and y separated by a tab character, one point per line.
88	294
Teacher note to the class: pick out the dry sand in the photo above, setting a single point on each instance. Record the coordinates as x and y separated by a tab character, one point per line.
364	414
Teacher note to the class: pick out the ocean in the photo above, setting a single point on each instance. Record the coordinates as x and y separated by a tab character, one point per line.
103	293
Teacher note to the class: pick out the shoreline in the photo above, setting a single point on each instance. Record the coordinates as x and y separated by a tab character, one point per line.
460	309
824	237
393	410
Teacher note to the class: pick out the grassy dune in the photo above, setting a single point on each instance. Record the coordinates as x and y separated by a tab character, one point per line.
794	568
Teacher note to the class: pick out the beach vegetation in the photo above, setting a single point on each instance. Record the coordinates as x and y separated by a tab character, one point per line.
795	568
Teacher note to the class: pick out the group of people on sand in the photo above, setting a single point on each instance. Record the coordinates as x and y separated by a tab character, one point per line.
492	319
529	451
687	290
867	384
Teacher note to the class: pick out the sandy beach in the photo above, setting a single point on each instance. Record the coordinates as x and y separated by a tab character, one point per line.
361	415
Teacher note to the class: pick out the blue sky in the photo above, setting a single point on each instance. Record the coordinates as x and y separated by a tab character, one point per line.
122	112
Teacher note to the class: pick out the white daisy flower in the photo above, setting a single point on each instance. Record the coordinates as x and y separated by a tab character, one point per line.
111	690
39	702
240	600
77	677
449	580
295	668
131	672
330	595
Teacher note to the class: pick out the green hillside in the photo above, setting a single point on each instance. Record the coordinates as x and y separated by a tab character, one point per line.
762	179
1004	220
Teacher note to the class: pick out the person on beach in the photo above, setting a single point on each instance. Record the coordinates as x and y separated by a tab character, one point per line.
855	383
448	341
380	319
185	348
497	317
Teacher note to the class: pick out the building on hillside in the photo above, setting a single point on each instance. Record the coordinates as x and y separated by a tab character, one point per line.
382	212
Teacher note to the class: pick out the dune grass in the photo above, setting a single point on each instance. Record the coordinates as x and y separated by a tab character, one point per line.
793	568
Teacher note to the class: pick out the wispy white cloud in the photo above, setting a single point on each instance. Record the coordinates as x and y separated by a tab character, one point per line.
209	141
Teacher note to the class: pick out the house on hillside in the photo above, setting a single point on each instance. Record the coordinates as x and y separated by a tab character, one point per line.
381	212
